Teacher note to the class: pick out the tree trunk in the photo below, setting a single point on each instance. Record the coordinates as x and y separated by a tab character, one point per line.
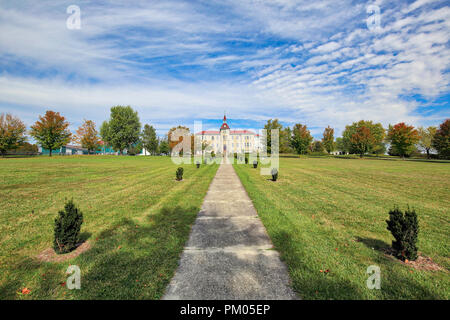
361	155
50	152
428	153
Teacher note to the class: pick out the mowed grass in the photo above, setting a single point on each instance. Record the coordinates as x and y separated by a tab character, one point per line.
329	214
137	219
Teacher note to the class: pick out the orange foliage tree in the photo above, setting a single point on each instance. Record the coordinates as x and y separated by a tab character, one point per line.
402	138
87	136
362	140
12	133
51	131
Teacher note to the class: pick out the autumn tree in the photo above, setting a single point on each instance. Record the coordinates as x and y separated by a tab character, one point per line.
328	139
123	129
150	139
376	142
441	140
301	138
51	131
87	136
426	138
362	140
402	138
173	143
12	133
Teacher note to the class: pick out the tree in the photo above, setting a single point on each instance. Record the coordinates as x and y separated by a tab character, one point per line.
362	140
150	139
317	146
403	138
376	130
301	138
51	131
269	126
285	140
340	145
12	133
172	144
164	146
328	139
426	138
441	140
123	129
87	136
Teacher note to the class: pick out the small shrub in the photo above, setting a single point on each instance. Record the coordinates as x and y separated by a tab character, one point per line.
255	164
213	154
246	160
404	228
197	164
67	228
179	173
274	173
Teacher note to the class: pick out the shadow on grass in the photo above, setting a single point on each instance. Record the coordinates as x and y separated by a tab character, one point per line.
397	281
375	244
130	260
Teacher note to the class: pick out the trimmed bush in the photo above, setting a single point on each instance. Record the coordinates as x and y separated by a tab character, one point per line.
197	164
255	164
404	228
67	228
274	173
246	160
179	173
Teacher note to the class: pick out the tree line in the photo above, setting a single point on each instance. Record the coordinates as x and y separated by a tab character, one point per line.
364	137
123	131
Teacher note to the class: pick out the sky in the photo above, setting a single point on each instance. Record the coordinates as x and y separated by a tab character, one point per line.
317	63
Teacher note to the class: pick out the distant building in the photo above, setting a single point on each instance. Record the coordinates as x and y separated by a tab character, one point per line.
227	141
67	150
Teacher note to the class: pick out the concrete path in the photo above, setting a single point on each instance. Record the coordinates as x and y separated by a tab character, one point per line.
229	254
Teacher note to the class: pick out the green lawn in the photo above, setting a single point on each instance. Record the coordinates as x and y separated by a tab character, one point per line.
136	217
329	213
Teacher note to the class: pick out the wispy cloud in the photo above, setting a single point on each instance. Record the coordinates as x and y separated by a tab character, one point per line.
175	61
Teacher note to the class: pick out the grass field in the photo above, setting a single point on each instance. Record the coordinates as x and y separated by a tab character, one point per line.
136	217
329	213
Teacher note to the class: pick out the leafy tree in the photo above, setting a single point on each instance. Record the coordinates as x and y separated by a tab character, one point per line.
362	140
149	139
164	146
27	148
376	131
441	140
328	139
12	133
135	149
316	146
87	136
272	125
403	138
301	138
123	129
285	140
51	131
173	144
340	145
426	138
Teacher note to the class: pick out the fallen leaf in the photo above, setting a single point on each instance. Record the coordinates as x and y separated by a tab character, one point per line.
118	248
26	291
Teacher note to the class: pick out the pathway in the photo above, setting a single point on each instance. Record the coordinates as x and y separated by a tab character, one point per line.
229	254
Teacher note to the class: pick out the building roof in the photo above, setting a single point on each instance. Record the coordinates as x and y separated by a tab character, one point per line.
213	132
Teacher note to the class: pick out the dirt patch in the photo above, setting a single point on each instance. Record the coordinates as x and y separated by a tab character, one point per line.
422	262
49	254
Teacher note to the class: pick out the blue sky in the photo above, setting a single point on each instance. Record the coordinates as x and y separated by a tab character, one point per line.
315	63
